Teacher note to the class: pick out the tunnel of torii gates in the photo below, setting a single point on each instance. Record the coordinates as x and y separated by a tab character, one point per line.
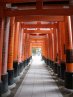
21	30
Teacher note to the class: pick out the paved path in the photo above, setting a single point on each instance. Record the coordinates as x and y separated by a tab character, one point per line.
38	83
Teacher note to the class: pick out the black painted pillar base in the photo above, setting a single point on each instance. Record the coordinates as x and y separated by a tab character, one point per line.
30	57
69	80
21	66
28	60
0	88
48	62
55	67
44	59
4	83
16	70
26	63
63	68
10	77
58	69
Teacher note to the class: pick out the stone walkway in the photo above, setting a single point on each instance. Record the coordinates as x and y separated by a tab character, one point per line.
38	83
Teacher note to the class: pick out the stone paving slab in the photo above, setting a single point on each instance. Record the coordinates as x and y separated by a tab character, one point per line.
38	83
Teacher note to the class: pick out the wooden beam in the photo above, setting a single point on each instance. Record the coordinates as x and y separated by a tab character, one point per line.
2	8
16	1
40	34
39	4
37	31
1	12
39	38
21	1
71	2
62	11
34	39
39	18
39	25
39	41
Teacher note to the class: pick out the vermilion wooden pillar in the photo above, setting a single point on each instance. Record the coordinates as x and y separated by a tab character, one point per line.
42	49
69	54
5	55
48	45
56	63
52	44
20	62
10	52
55	51
63	42
55	45
19	45
59	54
15	55
51	47
72	25
48	52
63	55
22	50
1	47
25	49
45	49
28	48
24	45
59	42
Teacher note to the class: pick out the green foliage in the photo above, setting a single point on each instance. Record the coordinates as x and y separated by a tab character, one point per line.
33	50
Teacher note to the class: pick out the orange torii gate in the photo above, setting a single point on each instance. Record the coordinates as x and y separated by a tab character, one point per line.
17	40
